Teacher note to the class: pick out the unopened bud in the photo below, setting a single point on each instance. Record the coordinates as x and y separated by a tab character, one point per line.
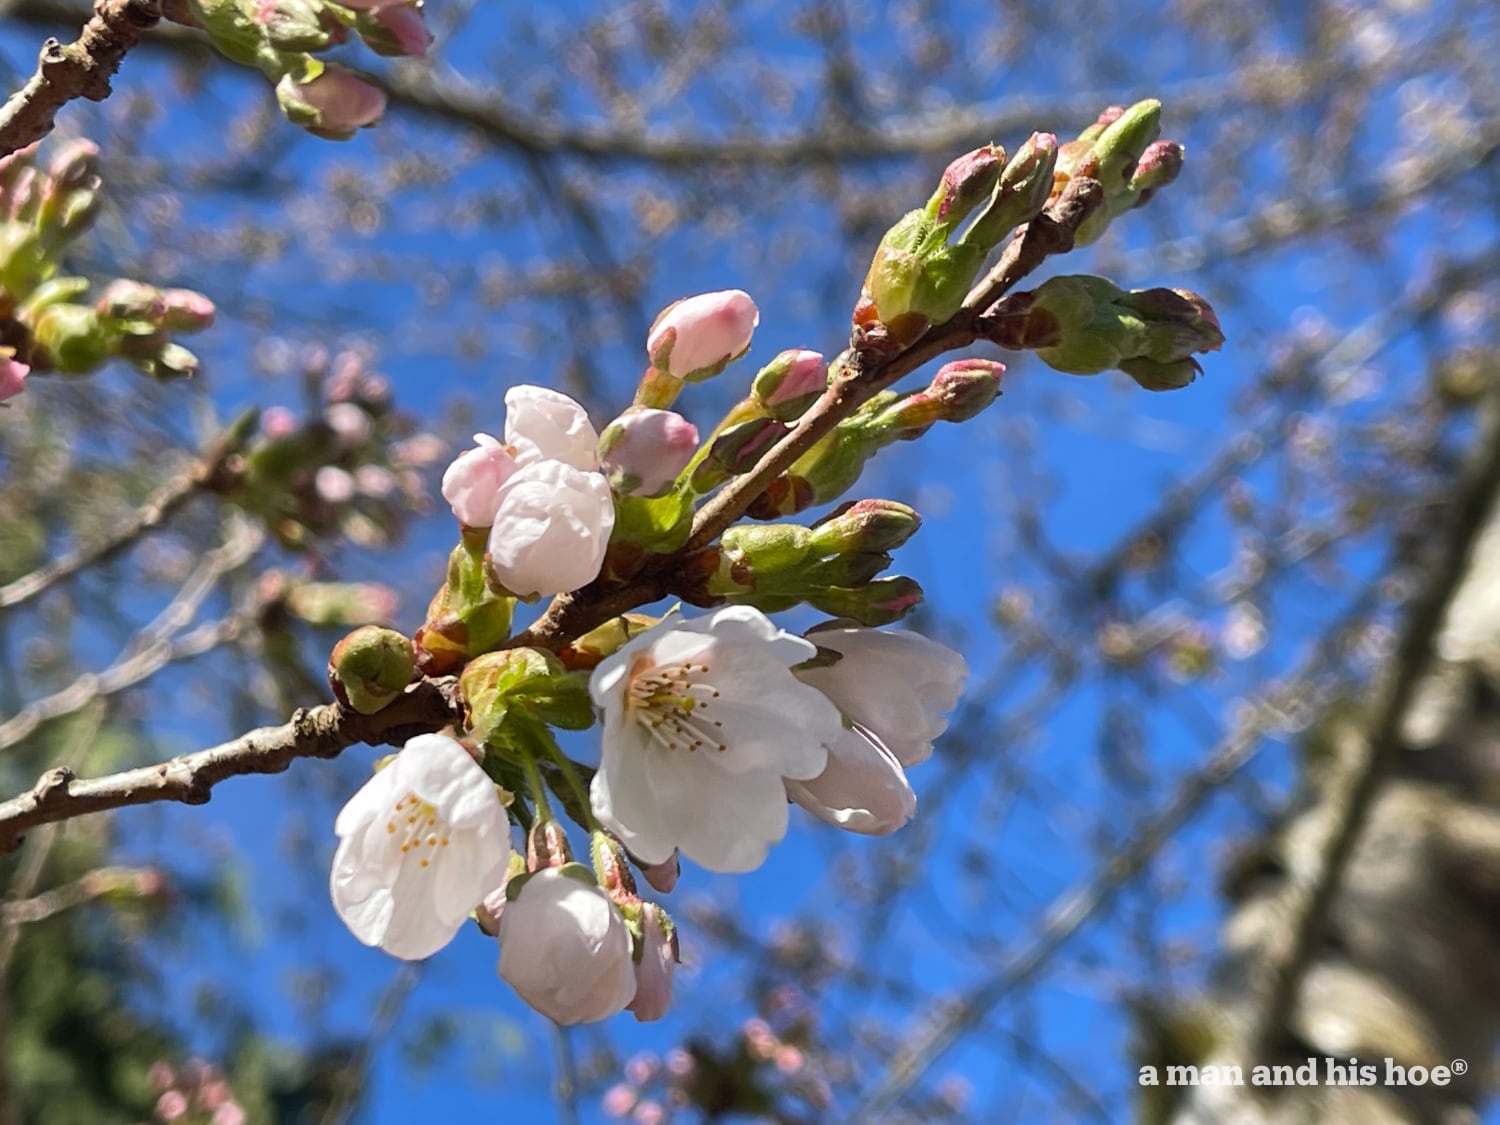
958	392
333	104
465	617
1120	146
1021	193
494	682
395	30
643	450
186	310
790	383
1159	165
131	300
966	183
613	868
866	525
1083	325
73	338
736	450
877	603
547	846
370	667
696	338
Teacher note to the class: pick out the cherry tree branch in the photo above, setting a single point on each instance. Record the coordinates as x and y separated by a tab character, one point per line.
317	732
211	473
855	376
81	69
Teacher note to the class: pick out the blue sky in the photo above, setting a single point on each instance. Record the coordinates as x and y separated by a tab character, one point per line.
1093	457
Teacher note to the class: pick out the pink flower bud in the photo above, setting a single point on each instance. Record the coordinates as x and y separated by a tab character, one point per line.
229	1113
278	422
653	972
619	1099
332	105
696	338
408	31
472	483
550	529
643	450
12	377
187	310
171	1105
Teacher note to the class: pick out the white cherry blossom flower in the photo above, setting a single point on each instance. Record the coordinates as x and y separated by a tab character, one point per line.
551	529
863	789
702	721
899	686
545	425
420	845
565	948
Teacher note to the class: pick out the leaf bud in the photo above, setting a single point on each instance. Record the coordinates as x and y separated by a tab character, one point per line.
370	667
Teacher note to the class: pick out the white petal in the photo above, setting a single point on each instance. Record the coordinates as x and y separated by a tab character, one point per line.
551	529
544	425
441	772
720	822
416	929
863	789
465	871
621	795
374	799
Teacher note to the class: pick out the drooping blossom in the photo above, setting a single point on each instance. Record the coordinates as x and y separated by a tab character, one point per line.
701	334
863	789
897	685
565	948
653	972
702	721
420	845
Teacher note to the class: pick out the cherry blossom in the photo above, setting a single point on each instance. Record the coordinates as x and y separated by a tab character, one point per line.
702	721
565	948
420	845
897	685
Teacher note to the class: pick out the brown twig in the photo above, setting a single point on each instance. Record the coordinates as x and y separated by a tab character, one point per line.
211	473
318	732
81	69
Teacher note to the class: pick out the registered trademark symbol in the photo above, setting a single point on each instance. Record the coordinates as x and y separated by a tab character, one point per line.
1459	1066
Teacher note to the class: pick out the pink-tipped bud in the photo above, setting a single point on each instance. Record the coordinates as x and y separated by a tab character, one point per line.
186	310
656	959
406	32
790	383
697	337
333	105
966	183
12	375
643	450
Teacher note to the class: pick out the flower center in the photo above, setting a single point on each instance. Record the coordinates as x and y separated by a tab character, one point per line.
669	702
418	828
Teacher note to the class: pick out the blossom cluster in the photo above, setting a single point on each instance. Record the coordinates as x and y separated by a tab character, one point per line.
710	724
